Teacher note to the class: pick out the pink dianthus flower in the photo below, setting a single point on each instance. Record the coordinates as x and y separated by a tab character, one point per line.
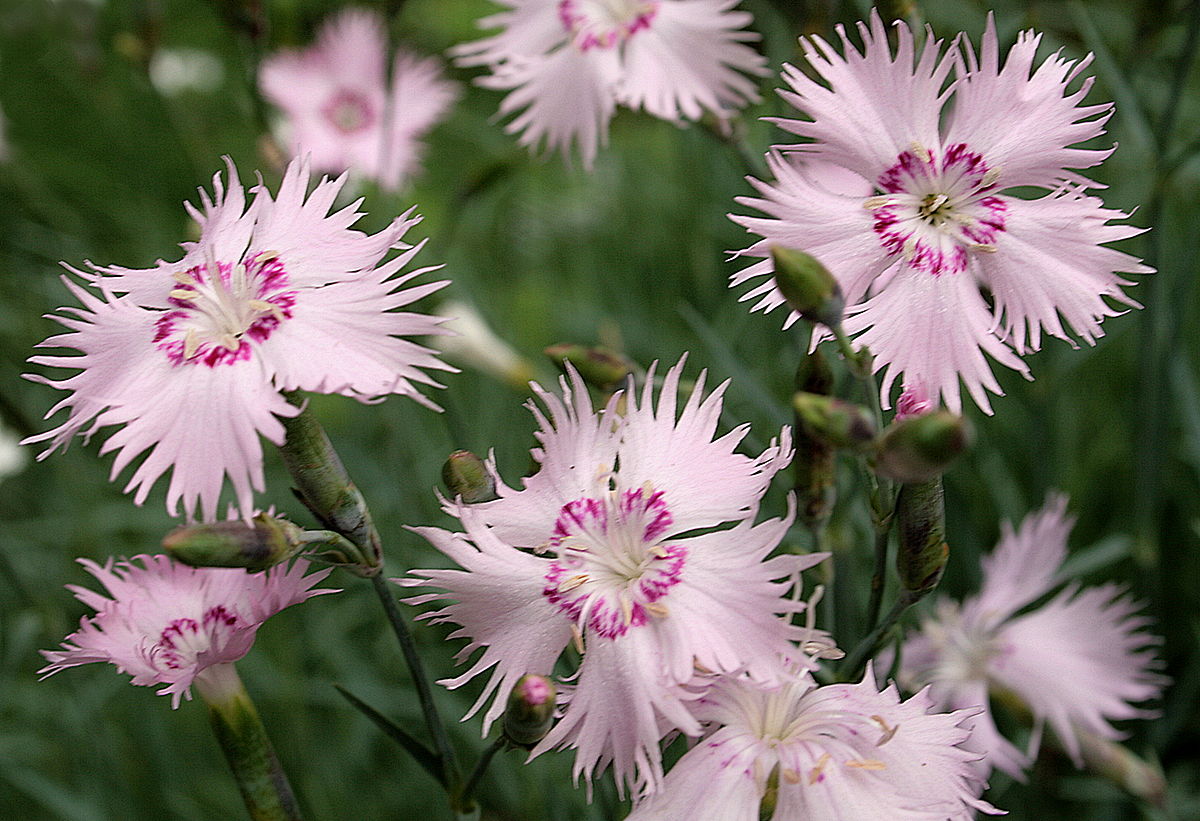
170	624
915	210
190	357
567	64
340	110
614	544
1078	661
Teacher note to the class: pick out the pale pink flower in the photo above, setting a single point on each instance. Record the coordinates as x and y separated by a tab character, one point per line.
917	222
613	544
1078	661
843	751
190	356
567	64
169	624
340	109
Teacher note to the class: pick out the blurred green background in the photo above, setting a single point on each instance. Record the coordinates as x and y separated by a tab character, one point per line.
102	151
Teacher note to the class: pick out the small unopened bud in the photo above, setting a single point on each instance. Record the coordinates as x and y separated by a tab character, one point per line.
808	286
921	529
600	367
770	798
815	458
840	423
1136	776
530	710
923	447
466	476
263	542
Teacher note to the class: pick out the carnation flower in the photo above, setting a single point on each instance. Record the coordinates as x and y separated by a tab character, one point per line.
567	64
613	545
170	624
340	110
1077	661
843	751
907	206
190	356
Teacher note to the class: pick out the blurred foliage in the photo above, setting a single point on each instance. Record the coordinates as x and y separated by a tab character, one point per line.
632	256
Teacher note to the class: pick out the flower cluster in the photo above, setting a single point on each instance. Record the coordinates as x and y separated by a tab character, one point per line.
916	212
567	64
636	542
341	111
1077	662
191	356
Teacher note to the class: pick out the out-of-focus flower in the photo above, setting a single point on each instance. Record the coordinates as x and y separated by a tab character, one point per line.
177	70
168	624
278	296
474	343
799	751
340	109
1078	661
12	456
911	216
600	547
567	64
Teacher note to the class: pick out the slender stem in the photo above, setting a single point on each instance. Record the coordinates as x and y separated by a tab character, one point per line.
416	666
869	646
243	739
879	576
485	758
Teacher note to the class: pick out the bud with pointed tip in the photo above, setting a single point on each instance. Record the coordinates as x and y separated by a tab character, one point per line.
921	532
530	710
466	476
600	367
807	285
256	545
920	448
840	423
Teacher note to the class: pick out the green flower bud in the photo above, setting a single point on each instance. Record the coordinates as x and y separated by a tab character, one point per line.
814	464
921	530
600	367
920	448
530	710
467	476
264	542
808	286
839	423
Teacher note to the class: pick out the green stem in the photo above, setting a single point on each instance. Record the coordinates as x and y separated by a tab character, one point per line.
468	789
243	739
416	666
879	575
874	641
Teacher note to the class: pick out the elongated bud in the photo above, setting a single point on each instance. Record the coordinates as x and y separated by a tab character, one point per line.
770	799
600	367
530	710
466	476
262	543
920	448
808	286
815	459
921	529
1117	763
840	423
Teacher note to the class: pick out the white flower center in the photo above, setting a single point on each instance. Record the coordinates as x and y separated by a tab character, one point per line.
605	23
612	568
219	305
182	642
935	210
349	111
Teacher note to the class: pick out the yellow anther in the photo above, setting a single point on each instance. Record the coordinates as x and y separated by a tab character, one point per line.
184	293
814	775
790	776
656	609
573	582
866	764
190	343
889	732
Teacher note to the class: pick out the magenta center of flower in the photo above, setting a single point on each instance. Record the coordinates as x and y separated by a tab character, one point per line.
605	23
218	308
349	111
184	641
937	210
612	567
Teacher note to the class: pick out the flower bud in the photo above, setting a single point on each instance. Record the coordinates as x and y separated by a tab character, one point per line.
808	286
530	710
466	476
921	530
839	423
919	448
814	463
263	542
600	367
